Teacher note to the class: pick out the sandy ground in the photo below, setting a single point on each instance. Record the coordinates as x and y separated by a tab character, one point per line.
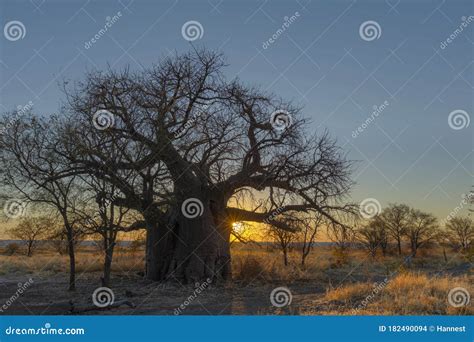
48	297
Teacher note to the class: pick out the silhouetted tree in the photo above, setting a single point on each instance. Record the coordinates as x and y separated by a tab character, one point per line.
373	236
309	228
421	229
180	142
31	162
31	230
460	232
396	218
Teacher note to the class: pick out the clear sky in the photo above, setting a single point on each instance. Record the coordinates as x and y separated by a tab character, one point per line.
408	153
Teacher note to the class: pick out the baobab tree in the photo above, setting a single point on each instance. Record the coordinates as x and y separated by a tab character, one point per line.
179	141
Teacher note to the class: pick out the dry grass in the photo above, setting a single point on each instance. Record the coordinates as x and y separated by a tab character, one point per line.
327	284
406	294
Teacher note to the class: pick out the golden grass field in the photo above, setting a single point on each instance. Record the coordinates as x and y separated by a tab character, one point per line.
327	284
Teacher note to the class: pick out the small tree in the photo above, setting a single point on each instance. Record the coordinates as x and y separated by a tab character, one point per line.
308	233
460	233
421	229
373	236
368	236
31	230
284	239
396	218
342	235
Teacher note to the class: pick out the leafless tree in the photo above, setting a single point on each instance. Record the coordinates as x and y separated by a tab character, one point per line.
422	228
283	239
180	133
396	218
373	236
30	169
342	235
310	227
460	232
100	216
30	230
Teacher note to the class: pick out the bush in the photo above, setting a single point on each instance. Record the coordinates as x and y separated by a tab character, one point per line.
12	248
250	269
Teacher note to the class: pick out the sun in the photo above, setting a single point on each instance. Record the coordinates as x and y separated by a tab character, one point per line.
238	227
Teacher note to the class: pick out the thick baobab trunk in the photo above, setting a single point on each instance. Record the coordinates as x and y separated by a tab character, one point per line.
191	244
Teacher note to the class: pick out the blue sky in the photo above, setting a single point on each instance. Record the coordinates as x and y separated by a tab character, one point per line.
409	153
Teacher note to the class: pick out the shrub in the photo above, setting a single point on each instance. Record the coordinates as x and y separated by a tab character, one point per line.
250	269
12	248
